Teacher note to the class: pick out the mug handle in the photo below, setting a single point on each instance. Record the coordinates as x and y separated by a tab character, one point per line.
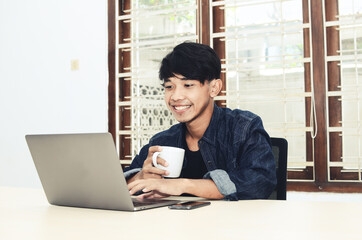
154	158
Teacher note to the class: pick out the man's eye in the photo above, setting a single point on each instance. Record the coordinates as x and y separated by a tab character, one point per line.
168	87
188	85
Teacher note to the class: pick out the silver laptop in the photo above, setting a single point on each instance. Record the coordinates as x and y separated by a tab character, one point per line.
83	170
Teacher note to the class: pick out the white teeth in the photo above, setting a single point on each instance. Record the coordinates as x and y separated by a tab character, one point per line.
181	107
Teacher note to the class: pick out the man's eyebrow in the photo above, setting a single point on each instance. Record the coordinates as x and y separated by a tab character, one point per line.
165	81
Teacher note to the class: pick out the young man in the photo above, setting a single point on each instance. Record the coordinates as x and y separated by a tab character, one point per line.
227	152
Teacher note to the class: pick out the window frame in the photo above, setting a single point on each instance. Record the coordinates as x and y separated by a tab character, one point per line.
321	181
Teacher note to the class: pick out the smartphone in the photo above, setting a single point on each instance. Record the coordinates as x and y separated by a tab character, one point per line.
189	205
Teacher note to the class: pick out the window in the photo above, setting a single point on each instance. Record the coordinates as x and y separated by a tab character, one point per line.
343	58
295	63
148	30
265	70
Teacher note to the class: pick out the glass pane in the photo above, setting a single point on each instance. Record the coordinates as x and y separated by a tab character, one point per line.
265	67
349	7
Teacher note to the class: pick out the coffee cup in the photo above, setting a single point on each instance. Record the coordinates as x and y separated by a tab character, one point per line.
174	157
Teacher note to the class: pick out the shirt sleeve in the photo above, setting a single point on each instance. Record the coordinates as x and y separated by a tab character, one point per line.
223	183
137	163
255	173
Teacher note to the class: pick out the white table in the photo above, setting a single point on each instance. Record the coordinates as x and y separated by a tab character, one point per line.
25	214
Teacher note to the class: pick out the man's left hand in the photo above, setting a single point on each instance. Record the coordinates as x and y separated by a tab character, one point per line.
156	188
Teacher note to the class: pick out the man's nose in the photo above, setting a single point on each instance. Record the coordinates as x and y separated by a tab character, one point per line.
177	94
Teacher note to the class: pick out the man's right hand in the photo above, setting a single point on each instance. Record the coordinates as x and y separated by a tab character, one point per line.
148	169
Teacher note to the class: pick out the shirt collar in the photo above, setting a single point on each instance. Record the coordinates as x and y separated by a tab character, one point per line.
210	133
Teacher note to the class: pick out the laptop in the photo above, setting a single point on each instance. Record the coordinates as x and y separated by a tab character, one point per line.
83	170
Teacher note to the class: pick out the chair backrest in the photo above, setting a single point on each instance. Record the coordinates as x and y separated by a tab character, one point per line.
280	152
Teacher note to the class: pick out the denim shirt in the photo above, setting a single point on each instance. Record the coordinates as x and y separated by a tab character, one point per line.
236	150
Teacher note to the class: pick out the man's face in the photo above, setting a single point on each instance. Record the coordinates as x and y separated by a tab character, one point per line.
188	100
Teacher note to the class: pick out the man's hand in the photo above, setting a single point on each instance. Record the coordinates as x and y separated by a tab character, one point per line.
148	170
159	188
156	188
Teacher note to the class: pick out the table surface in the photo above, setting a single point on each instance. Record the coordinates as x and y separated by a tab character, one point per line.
25	214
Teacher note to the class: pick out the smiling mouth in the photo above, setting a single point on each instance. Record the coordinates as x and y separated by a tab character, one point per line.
180	108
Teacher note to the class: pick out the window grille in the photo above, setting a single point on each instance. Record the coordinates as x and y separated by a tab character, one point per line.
344	81
267	68
264	65
154	30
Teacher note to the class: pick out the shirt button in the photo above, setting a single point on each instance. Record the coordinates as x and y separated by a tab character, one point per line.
200	142
209	163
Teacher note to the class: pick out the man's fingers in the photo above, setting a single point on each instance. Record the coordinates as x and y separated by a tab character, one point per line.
156	171
151	151
154	149
153	194
152	188
135	187
148	195
162	162
149	160
149	170
146	186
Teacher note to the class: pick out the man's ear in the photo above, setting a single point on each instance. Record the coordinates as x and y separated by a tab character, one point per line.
215	87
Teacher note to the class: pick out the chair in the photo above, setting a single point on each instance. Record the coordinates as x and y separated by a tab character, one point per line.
280	152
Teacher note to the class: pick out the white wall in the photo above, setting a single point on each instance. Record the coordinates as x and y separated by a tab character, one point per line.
38	92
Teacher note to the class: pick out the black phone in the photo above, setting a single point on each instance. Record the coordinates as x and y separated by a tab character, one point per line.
189	205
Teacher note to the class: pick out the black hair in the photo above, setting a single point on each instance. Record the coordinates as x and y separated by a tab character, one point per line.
193	61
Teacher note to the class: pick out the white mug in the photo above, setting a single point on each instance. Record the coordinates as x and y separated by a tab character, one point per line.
174	157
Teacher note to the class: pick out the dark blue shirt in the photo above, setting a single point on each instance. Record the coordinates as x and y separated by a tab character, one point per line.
236	150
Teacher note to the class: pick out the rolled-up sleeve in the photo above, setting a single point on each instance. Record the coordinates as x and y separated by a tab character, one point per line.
255	172
223	183
137	163
130	173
